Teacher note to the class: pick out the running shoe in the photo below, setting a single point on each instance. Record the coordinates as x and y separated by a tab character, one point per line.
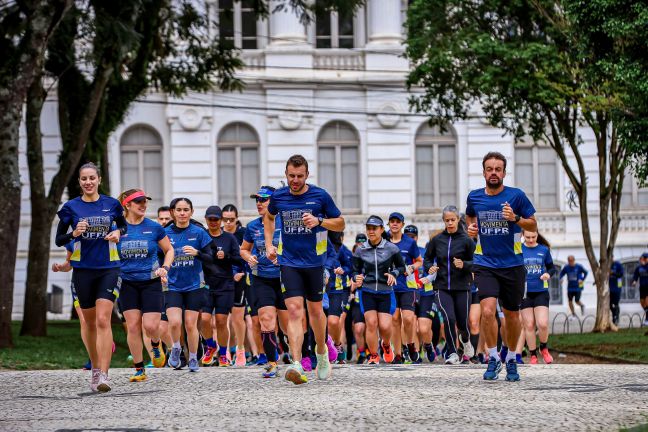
87	366
240	358
511	371
493	370
94	380
503	353
223	361
362	357
572	317
193	365
430	353
453	359
229	356
139	375
534	359
271	370
332	351
262	361
465	359
373	359
183	359
388	353
483	359
306	364
398	359
209	357
415	357
546	356
518	359
295	374
468	349
159	358
341	356
174	358
104	383
323	368
474	360
285	358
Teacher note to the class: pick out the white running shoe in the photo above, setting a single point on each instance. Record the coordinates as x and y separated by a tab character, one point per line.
323	368
104	383
94	380
468	349
453	359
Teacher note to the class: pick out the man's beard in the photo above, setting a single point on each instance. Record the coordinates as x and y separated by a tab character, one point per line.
490	185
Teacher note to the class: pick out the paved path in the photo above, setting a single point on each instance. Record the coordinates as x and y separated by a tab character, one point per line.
394	398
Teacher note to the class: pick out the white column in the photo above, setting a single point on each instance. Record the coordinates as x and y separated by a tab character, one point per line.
285	29
384	22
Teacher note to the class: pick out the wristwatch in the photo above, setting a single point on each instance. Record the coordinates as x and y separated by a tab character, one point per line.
166	267
517	218
320	220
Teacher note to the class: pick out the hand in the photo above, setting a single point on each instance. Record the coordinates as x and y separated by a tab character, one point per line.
190	250
238	276
113	236
339	271
220	254
252	261
433	269
271	253
82	226
391	280
457	263
161	272
545	276
56	267
310	221
359	279
409	270
507	212
425	280
473	230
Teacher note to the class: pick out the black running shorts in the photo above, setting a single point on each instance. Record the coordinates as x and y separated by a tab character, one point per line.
381	303
506	284
535	299
338	301
574	295
356	311
193	300
94	284
406	300
266	292
145	296
306	282
239	293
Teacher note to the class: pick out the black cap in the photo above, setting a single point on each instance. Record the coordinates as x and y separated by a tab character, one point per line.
375	221
361	238
214	212
411	229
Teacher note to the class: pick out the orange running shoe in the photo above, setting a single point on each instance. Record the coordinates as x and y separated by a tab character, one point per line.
373	359
208	358
388	353
546	356
240	357
534	359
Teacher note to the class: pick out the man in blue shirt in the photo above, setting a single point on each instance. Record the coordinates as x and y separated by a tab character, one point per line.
496	216
306	213
576	275
616	284
640	277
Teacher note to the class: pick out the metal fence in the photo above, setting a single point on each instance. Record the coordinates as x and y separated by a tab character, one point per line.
562	323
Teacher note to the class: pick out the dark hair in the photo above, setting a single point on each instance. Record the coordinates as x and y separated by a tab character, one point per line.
175	201
493	155
230	208
336	239
297	161
541	240
163	209
91	166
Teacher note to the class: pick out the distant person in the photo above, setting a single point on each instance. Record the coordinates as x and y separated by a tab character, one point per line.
640	277
576	275
616	283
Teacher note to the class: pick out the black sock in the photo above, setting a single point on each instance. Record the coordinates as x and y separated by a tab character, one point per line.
306	346
155	344
413	352
139	365
474	341
534	352
543	345
269	345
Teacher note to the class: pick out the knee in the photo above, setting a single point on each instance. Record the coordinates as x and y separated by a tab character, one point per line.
221	321
151	328
103	323
135	327
488	314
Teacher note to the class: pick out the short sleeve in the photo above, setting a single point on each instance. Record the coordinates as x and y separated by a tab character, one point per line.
524	207
160	233
117	209
329	207
470	210
272	206
248	235
205	238
65	214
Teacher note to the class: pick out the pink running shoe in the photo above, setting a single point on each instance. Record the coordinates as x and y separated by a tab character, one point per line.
240	358
332	350
306	363
546	356
113	347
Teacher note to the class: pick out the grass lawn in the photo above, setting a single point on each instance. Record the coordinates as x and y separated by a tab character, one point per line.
625	345
61	349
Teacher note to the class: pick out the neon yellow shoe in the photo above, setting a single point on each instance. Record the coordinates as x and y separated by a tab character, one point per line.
139	375
158	357
295	374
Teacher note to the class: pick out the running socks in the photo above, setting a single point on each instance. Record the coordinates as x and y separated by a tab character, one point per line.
176	345
492	352
222	350
510	356
543	345
139	365
269	344
193	356
211	343
534	352
474	340
155	344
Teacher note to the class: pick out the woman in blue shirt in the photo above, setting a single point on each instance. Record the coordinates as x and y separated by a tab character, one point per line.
141	298
191	244
95	263
535	305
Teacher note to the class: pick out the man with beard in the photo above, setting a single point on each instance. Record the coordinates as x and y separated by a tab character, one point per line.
496	216
306	213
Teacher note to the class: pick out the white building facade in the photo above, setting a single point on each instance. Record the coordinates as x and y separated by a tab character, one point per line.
334	91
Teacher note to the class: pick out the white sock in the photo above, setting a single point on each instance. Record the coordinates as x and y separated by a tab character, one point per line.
492	352
193	356
176	345
510	356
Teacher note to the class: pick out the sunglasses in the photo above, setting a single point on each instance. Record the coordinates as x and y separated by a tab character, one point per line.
140	200
262	200
212	219
229	220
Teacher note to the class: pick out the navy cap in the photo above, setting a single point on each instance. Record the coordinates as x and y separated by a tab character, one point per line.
397	215
214	212
361	238
374	221
264	192
644	255
411	229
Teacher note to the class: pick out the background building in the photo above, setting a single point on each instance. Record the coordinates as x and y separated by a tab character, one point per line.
333	91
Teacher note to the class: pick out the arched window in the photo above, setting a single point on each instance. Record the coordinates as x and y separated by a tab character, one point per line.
436	168
141	163
536	173
238	165
338	169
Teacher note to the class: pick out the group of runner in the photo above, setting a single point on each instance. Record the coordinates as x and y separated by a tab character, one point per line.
180	282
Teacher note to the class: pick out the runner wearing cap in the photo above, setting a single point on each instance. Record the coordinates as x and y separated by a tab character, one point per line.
640	277
266	284
219	278
141	298
376	267
306	213
405	316
95	263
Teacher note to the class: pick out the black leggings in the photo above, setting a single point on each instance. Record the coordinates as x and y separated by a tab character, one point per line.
614	306
454	306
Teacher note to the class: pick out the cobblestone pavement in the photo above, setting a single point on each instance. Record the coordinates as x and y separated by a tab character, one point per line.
394	398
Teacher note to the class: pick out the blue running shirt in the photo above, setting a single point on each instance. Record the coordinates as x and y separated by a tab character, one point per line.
301	246
409	251
499	242
186	271
254	234
575	276
90	248
138	249
536	261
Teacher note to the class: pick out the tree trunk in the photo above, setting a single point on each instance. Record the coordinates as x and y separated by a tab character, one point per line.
35	310
603	322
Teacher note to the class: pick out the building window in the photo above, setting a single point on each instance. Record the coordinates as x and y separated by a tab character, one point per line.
555	287
237	23
436	168
334	30
238	165
536	173
629	293
141	163
633	195
338	164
